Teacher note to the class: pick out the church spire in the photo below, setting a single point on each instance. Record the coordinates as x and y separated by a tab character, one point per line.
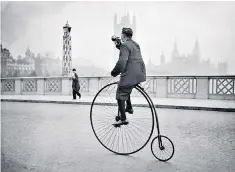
175	53
28	49
134	21
128	18
175	45
196	51
163	59
27	52
150	64
115	19
196	46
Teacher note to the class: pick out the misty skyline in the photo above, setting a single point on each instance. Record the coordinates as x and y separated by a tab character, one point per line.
39	25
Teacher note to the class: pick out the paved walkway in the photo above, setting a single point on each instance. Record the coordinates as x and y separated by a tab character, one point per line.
171	103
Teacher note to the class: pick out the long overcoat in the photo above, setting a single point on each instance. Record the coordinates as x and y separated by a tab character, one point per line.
75	83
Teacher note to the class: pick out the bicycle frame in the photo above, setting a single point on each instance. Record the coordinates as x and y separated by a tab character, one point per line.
155	113
141	89
159	138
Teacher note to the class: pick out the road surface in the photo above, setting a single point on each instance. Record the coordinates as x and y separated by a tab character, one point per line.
58	138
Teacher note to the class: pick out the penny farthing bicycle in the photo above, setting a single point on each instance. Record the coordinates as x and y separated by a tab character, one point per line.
130	138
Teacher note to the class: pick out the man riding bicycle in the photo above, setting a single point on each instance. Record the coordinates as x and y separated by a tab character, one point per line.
132	68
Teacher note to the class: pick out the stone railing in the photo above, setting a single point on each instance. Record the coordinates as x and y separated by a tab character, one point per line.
194	87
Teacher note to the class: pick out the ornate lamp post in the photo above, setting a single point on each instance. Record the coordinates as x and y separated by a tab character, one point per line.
67	57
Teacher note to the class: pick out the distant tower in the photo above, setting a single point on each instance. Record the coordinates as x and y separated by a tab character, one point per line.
150	64
196	53
125	22
163	59
29	56
222	68
175	54
67	58
27	53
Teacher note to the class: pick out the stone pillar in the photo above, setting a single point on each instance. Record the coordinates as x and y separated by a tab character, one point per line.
93	85
18	86
161	91
202	88
41	86
66	86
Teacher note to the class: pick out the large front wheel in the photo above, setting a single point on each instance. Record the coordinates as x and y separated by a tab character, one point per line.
126	139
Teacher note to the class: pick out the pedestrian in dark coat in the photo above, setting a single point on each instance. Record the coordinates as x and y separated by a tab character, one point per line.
132	69
75	85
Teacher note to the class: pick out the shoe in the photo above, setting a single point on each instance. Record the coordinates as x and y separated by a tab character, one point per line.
74	99
130	111
119	123
79	95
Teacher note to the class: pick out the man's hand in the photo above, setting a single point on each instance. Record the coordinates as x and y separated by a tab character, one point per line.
118	46
114	74
73	76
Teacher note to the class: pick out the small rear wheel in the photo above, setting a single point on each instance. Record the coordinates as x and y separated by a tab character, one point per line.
162	148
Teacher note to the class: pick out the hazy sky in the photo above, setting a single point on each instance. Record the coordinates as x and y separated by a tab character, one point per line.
40	25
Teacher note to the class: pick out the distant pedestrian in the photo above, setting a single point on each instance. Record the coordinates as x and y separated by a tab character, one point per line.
75	85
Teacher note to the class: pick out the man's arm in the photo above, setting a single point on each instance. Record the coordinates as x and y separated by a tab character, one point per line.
118	46
121	64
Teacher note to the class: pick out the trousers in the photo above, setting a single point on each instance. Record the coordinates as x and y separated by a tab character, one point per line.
76	93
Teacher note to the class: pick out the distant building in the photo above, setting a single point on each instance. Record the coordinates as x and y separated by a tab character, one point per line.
20	67
5	54
51	67
124	22
29	65
190	64
48	66
180	64
222	68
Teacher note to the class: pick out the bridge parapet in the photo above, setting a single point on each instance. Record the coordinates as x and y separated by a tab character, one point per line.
194	87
